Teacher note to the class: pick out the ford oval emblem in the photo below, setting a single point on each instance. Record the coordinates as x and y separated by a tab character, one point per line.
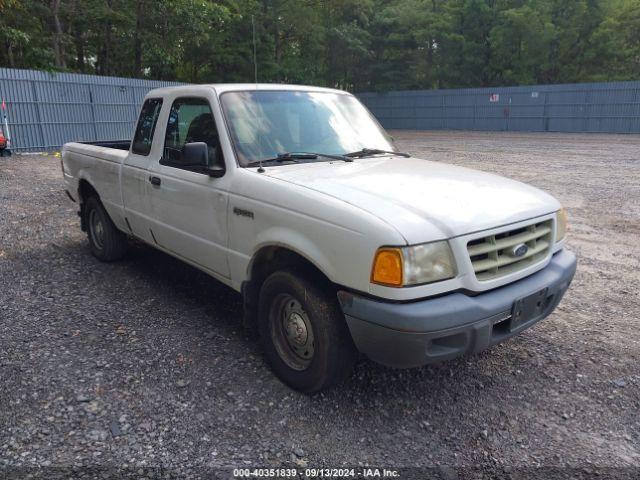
519	250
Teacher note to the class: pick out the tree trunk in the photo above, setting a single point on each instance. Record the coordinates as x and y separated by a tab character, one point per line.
195	71
277	49
58	47
76	31
137	40
277	44
104	60
10	58
330	50
430	61
79	41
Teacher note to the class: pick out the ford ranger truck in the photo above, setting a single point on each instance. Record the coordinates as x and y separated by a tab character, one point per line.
297	198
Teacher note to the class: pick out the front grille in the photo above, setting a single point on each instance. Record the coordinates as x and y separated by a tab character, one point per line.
493	257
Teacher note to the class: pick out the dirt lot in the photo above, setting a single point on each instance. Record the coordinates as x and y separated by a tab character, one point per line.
141	363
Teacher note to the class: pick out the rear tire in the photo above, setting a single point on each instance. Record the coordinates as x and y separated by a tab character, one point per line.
303	332
107	243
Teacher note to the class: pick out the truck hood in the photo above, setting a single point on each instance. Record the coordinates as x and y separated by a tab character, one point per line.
423	200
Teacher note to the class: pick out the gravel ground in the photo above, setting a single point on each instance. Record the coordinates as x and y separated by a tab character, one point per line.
142	364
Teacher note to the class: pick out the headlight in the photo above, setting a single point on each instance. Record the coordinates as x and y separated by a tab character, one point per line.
406	266
561	224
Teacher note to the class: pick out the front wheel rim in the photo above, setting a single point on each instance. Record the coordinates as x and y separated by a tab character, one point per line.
96	229
291	332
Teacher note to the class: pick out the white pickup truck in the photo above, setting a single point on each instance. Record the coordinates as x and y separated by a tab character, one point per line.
297	198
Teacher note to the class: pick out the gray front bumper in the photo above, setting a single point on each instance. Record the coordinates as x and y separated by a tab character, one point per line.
432	330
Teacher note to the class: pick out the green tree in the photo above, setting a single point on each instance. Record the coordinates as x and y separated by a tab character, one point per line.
351	44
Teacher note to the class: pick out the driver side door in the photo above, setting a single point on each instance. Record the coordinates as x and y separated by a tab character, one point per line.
189	207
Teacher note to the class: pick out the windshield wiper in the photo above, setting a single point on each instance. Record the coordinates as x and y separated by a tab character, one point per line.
366	152
344	158
283	157
295	157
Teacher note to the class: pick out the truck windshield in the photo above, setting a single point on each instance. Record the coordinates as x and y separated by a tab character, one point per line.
264	124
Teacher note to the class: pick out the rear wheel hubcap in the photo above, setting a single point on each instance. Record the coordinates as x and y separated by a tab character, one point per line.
96	229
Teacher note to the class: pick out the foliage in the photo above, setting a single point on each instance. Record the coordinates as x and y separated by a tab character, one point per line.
351	44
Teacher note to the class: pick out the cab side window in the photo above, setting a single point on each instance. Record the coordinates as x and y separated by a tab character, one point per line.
143	137
191	120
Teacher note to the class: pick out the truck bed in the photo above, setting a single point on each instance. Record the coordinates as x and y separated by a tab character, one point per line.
98	163
117	144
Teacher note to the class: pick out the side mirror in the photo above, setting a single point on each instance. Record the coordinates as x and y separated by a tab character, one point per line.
195	157
195	154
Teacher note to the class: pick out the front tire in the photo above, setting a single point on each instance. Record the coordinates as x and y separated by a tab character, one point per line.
303	332
106	242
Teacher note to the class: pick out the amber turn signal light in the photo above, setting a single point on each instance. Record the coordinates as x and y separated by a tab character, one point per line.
387	267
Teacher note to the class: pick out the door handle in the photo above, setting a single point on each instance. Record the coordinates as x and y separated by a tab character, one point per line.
155	181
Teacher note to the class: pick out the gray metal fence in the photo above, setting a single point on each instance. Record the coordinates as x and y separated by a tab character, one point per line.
46	110
587	107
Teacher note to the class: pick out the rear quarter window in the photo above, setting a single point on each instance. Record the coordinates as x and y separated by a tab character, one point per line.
146	127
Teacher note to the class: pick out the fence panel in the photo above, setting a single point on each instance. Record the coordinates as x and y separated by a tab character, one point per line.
589	107
46	110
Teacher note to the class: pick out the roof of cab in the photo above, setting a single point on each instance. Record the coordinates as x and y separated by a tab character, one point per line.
230	87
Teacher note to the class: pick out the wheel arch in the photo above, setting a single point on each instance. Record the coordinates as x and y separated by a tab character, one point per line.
282	254
85	190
